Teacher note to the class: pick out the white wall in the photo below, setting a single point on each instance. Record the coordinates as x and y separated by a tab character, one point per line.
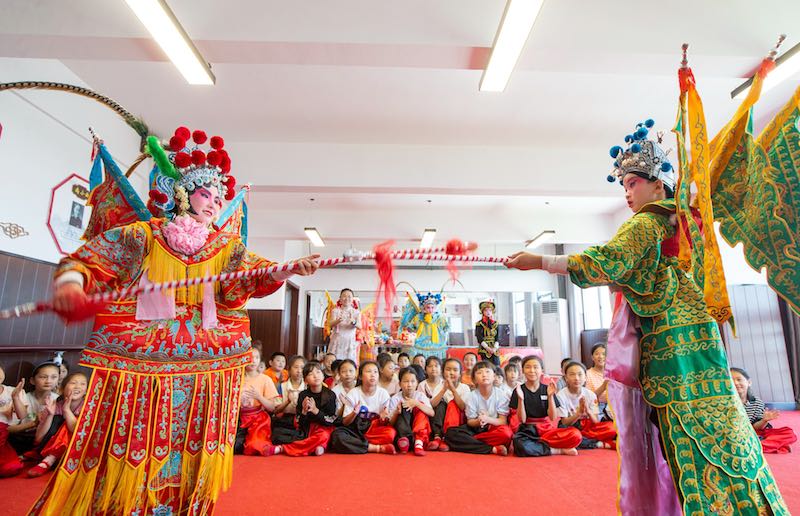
45	138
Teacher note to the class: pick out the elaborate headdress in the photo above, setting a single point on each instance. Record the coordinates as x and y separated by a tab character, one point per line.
489	303
643	157
429	299
187	167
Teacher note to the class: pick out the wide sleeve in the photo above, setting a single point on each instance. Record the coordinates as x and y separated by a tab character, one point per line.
113	259
630	259
235	292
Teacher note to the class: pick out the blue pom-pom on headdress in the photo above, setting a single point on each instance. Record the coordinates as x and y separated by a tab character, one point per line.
649	123
666	166
641	133
610	178
615	150
635	148
628	138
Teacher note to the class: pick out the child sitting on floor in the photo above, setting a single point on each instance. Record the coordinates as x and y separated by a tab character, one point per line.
409	411
316	413
578	408
277	370
537	410
487	429
346	372
512	373
403	360
470	359
500	381
259	399
419	360
773	440
433	387
330	381
11	407
365	418
328	368
388	376
290	393
57	422
22	433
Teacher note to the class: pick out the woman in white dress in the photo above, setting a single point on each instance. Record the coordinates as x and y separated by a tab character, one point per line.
343	323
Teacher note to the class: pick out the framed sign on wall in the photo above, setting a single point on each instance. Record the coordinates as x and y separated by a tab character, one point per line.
68	214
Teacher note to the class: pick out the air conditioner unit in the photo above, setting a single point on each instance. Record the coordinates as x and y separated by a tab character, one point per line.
551	332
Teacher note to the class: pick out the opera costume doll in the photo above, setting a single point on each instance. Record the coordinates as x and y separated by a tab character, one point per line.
486	333
157	431
428	324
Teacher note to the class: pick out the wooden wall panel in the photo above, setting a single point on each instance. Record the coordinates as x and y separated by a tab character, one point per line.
26	280
265	325
760	348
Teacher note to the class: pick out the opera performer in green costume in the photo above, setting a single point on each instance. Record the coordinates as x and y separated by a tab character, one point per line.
667	369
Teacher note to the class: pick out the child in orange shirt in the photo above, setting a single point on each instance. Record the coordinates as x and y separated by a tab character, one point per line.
259	398
470	359
277	370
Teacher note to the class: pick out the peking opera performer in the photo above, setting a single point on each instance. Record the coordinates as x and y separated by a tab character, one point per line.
157	430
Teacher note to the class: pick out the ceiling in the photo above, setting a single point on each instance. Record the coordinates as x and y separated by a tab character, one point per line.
373	104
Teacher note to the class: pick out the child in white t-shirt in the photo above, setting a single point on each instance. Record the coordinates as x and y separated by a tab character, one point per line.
365	417
409	411
487	430
578	408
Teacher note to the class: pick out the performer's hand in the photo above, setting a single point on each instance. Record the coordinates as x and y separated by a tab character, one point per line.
70	301
306	266
524	261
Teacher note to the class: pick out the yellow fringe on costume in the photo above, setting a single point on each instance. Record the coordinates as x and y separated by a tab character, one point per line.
163	266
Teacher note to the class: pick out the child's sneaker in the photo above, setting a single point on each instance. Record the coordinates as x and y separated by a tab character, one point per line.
387	449
319	450
419	448
403	444
434	444
443	446
500	450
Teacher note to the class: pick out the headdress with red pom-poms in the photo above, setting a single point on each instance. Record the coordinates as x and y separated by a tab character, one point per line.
183	166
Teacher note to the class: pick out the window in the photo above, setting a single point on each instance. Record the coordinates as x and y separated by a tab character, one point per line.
596	308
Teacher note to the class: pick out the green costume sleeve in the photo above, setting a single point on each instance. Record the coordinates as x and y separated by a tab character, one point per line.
631	260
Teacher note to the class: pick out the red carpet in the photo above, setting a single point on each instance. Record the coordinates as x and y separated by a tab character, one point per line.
450	483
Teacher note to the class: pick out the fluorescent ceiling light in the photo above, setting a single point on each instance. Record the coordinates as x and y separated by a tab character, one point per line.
315	237
165	28
516	25
545	236
787	65
427	238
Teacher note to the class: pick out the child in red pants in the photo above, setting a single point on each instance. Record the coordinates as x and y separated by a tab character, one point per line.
365	418
487	429
259	398
57	422
316	414
773	440
409	411
578	408
538	433
11	405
